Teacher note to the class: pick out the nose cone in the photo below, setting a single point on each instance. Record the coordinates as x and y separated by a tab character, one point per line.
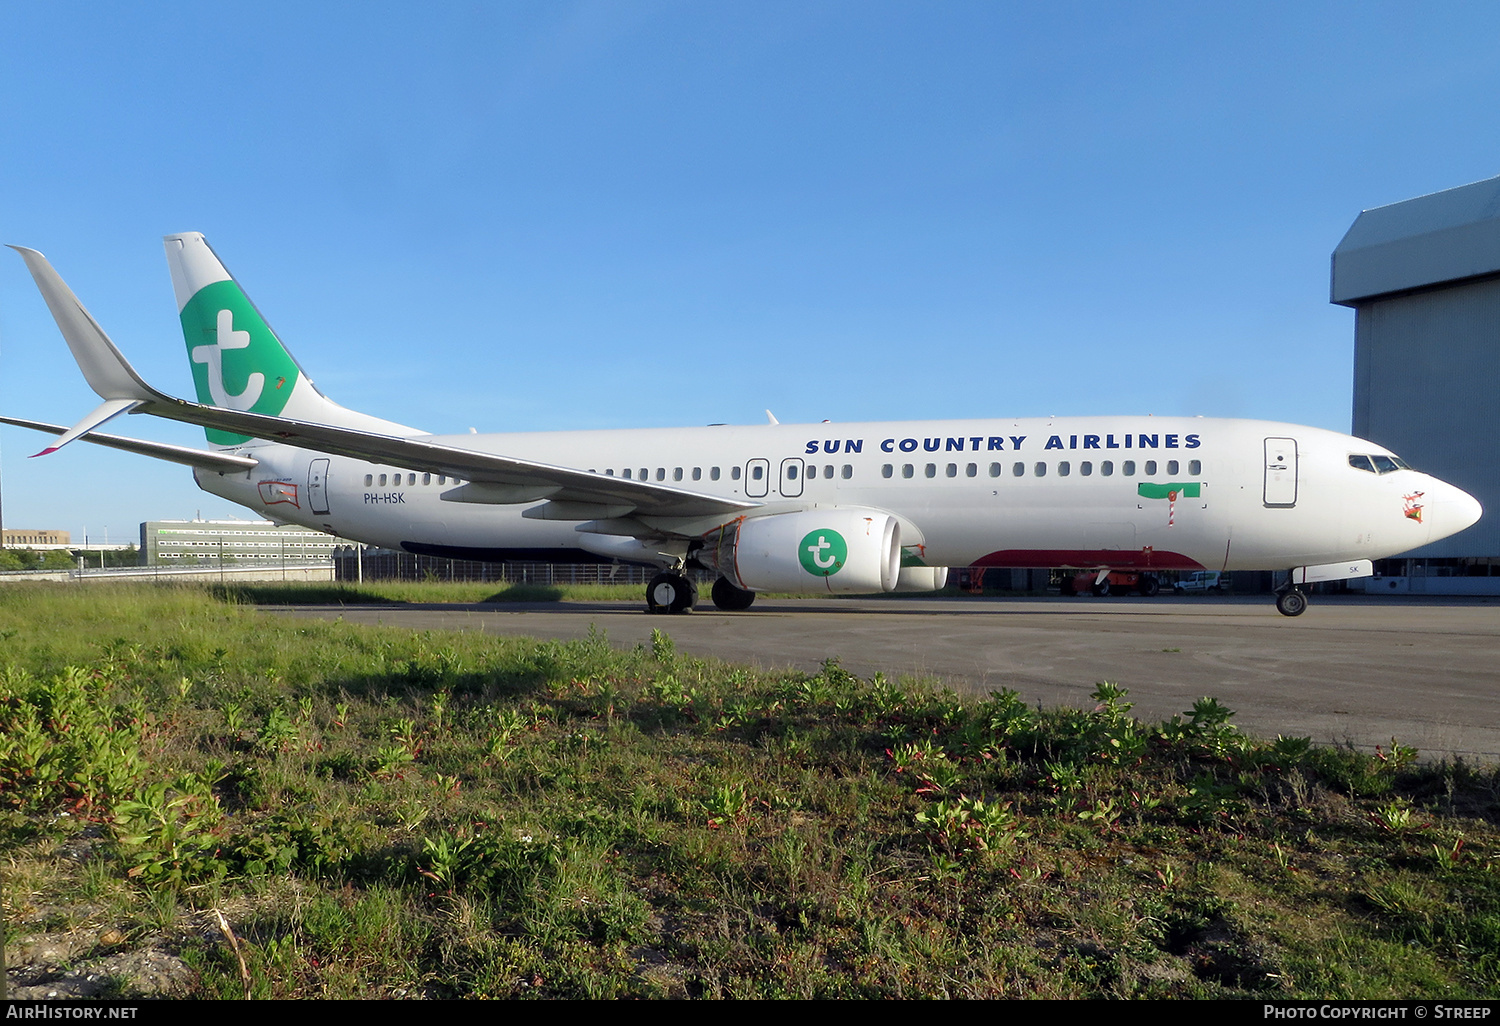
1453	510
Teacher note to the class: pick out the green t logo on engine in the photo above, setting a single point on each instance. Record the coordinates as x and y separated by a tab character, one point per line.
823	553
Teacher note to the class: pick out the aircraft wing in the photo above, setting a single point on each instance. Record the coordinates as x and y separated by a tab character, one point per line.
576	494
161	450
514	480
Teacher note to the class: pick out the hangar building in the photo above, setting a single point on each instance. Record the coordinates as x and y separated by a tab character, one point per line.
1423	278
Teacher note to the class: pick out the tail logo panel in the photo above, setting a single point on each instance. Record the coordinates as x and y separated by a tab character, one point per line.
234	354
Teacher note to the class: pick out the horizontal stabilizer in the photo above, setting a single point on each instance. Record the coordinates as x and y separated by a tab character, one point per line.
182	454
108	409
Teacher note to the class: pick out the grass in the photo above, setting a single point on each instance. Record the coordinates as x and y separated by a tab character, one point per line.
384	813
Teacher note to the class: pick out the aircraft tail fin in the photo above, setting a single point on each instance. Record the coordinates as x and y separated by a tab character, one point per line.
238	362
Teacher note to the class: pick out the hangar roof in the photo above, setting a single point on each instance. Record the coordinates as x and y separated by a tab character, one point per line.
1442	237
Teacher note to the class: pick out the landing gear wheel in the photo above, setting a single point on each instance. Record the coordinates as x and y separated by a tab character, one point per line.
729	598
1148	585
670	593
1291	603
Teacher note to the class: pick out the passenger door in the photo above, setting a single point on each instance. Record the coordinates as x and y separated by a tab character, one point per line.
1280	489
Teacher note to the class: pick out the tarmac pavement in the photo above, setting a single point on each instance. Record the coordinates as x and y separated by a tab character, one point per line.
1359	670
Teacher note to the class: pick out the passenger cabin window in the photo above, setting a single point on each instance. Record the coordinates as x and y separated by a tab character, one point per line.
625	473
952	470
1064	468
907	470
1086	468
734	473
697	473
1171	467
757	472
382	480
1150	468
1128	468
972	470
1018	470
1040	469
886	470
848	471
676	473
791	472
931	470
713	473
994	470
1107	468
1195	467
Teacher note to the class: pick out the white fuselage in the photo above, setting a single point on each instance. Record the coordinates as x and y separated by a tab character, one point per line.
1126	492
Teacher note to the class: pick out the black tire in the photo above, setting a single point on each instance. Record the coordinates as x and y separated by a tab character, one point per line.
670	593
729	598
1101	589
1148	585
1291	603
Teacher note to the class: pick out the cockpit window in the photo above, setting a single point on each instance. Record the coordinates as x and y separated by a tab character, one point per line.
1377	464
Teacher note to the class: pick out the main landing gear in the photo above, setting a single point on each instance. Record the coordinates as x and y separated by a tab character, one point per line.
671	592
729	598
1290	601
674	592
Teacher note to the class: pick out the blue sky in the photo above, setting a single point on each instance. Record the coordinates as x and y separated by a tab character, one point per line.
527	216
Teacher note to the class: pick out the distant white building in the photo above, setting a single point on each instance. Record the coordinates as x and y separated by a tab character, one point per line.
256	542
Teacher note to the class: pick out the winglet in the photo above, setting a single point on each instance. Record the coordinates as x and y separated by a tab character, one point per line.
110	408
106	370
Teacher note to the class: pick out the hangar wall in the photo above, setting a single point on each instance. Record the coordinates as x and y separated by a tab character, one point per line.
1423	277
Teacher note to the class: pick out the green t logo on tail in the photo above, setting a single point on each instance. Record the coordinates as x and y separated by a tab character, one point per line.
823	553
238	362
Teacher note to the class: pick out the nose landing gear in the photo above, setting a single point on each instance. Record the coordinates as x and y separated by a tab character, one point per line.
1290	601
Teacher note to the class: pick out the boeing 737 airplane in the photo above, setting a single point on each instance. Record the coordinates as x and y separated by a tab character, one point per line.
842	508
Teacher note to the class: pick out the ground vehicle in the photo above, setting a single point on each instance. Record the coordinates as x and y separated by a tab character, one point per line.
1116	582
1202	582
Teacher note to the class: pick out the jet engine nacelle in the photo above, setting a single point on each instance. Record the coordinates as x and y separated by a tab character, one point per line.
844	551
922	578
